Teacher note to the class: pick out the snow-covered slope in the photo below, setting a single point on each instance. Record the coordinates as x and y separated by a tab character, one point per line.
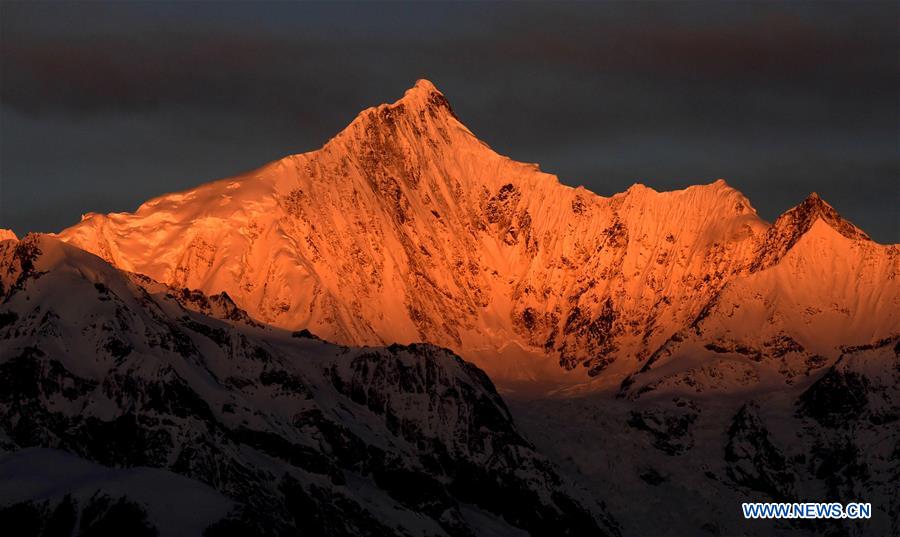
680	458
285	432
405	227
816	288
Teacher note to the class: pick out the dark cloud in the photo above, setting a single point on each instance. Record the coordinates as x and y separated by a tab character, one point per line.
104	105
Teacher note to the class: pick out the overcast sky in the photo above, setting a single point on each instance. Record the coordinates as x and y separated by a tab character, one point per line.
104	106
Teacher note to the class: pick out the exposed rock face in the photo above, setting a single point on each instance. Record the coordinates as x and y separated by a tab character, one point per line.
294	434
753	460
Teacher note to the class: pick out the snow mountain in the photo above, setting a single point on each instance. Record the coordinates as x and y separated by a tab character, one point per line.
122	396
405	227
669	353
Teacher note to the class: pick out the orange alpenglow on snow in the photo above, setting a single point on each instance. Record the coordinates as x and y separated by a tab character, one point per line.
406	227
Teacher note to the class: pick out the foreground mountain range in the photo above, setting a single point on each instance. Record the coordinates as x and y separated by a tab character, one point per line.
277	431
666	356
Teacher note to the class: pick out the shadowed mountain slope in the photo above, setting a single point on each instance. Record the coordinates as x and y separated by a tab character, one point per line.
280	432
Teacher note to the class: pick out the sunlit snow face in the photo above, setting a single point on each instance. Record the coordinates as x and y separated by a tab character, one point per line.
405	227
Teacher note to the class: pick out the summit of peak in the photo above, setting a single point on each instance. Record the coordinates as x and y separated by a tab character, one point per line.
421	104
813	208
8	234
719	185
638	187
716	187
813	204
796	222
424	95
423	84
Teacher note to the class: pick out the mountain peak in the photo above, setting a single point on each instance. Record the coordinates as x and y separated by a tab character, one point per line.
423	96
814	208
421	115
424	85
791	226
422	100
7	235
